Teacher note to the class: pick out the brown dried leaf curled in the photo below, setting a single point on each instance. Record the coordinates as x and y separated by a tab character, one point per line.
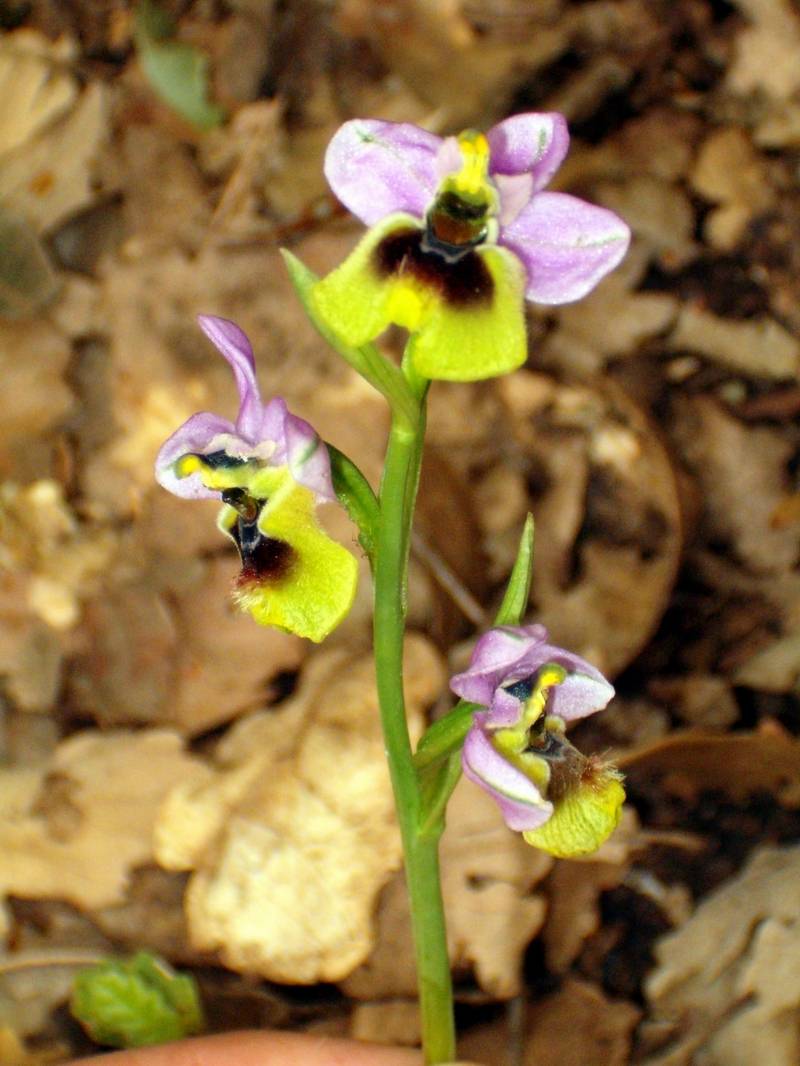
291	833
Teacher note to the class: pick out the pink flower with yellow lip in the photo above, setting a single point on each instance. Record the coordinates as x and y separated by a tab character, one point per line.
517	751
270	470
463	232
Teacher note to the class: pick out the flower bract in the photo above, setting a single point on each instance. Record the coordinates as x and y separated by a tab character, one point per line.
517	751
462	232
270	470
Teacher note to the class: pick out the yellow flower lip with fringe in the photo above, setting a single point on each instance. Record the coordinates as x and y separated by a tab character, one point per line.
516	750
270	470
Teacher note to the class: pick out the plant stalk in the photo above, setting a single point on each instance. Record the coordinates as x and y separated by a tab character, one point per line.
397	499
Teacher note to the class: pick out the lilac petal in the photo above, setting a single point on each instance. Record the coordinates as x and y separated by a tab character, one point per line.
195	435
513	653
493	661
272	426
567	245
522	805
377	168
583	692
533	143
515	190
308	457
505	710
234	345
448	158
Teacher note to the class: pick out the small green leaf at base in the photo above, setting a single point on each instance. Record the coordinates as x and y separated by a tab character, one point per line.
136	1002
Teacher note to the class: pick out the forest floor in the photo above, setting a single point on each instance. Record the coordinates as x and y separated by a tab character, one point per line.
156	747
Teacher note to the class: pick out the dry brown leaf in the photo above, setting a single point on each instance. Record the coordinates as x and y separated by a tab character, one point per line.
291	835
36	88
633	722
30	650
758	347
743	474
50	177
704	700
446	545
739	764
75	828
463	71
729	171
166	202
576	1026
49	566
395	1022
573	914
728	982
765	56
62	560
488	874
775	668
165	645
389	972
659	213
612	321
579	1026
34	397
607	517
13	1051
151	915
757	625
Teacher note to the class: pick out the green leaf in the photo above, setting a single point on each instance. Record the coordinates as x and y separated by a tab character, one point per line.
136	1002
355	494
518	590
365	359
176	71
445	736
437	788
27	279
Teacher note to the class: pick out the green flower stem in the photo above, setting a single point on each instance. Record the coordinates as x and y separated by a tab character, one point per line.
397	498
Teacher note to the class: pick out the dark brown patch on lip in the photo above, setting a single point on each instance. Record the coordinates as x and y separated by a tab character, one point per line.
265	560
461	282
567	764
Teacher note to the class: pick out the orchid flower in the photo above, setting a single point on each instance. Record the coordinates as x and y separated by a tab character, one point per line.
516	750
462	234
270	469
